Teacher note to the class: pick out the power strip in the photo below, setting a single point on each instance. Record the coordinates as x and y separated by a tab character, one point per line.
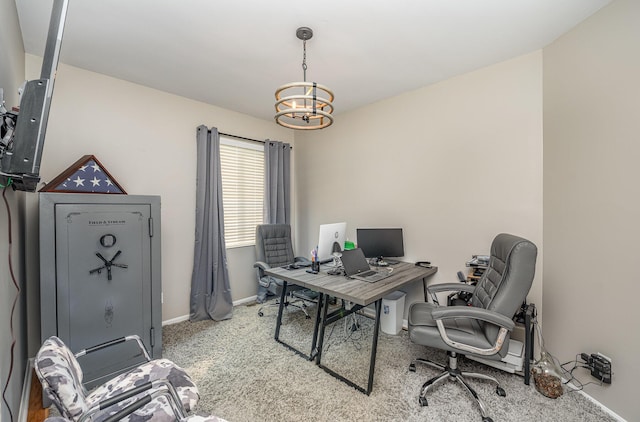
600	366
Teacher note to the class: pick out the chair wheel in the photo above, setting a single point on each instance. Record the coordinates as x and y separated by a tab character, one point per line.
260	313
423	401
307	317
500	391
412	367
487	419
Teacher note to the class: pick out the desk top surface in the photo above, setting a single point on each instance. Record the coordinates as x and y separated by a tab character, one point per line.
356	291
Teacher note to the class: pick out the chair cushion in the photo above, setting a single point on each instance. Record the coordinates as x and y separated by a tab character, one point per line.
150	371
423	330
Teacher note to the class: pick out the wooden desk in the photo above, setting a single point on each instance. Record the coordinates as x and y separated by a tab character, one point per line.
358	292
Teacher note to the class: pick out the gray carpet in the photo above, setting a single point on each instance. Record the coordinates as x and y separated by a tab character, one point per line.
243	374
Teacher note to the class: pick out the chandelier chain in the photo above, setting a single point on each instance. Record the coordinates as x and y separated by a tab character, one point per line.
304	60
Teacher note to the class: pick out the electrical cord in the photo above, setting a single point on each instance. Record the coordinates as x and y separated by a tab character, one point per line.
13	306
352	330
572	379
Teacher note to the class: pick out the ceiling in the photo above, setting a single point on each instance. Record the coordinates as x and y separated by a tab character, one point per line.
235	53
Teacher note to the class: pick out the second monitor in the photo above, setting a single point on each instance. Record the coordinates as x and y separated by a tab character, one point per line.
380	244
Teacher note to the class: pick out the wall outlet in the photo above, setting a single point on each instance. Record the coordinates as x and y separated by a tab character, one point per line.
601	367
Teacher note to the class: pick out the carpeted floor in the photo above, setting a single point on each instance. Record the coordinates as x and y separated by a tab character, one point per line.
243	374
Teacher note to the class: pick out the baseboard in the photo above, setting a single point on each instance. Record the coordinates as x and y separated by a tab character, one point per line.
597	403
26	391
250	299
246	300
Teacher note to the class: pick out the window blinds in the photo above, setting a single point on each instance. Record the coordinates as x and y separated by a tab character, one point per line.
242	168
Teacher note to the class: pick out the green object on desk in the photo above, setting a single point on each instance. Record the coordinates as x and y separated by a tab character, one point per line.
348	245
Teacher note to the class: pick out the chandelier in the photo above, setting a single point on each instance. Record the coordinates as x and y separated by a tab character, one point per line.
304	105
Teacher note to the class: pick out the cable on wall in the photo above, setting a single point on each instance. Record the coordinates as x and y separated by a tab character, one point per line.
13	306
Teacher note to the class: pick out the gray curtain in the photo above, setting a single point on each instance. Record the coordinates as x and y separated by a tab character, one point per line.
277	156
210	290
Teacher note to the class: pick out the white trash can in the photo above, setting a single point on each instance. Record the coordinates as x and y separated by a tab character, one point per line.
392	313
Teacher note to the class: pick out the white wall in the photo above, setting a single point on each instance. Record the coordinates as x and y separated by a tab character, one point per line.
591	198
453	164
11	77
146	139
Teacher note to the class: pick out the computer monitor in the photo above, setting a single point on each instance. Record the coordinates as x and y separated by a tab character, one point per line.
381	243
330	234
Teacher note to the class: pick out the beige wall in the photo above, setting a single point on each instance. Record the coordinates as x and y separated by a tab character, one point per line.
591	198
146	139
453	164
11	77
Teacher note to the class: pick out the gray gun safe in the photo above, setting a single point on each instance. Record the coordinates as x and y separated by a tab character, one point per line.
100	277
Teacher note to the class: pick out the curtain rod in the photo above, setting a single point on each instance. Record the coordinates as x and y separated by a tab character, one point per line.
244	138
241	137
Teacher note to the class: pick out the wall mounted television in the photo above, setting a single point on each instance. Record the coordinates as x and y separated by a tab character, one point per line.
22	131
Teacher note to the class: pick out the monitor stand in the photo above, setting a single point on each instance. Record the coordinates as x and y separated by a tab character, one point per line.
381	262
336	265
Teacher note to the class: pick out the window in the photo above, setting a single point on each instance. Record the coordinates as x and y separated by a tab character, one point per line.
242	168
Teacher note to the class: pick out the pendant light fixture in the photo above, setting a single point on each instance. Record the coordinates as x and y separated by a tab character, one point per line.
304	105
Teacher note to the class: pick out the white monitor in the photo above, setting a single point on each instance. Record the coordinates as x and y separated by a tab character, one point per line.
330	234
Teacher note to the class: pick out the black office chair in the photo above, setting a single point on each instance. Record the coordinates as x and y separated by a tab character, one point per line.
274	249
483	328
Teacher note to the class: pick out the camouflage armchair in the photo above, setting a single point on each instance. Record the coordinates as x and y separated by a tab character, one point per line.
157	390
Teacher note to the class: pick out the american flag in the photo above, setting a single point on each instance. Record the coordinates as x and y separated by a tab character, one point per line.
90	177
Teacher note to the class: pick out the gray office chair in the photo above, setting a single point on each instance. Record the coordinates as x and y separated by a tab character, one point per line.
274	249
483	328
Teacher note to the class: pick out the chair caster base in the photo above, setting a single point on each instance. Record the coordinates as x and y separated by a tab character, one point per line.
423	401
412	367
500	391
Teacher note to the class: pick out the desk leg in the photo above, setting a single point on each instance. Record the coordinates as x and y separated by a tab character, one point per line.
529	336
311	354
374	346
323	322
424	286
283	295
316	327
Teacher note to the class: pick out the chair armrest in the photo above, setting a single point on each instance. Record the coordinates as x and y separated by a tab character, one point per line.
133	337
261	265
448	312
447	287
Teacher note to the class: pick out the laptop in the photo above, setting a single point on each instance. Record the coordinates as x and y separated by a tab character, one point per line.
356	266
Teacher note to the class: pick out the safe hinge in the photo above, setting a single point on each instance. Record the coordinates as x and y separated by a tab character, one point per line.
152	332
150	227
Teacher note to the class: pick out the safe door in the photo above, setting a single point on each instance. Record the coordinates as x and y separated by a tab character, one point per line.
104	285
